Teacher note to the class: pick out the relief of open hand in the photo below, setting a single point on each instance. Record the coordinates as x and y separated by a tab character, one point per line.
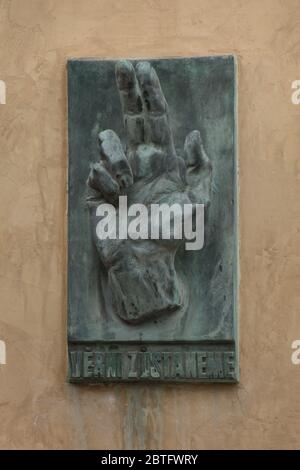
141	273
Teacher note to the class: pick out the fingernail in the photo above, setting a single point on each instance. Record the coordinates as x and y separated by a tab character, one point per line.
144	72
124	74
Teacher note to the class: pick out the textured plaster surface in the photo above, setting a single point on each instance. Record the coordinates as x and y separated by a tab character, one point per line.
38	409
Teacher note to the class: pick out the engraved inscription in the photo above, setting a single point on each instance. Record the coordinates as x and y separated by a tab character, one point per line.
136	365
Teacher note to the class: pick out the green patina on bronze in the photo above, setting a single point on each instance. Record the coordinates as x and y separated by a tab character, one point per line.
149	310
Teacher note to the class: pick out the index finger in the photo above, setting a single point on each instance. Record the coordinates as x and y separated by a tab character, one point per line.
131	103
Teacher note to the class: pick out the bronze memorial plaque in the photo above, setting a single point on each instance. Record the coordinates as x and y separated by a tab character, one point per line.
152	220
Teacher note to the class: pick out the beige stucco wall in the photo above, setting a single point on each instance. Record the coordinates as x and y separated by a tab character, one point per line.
38	409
